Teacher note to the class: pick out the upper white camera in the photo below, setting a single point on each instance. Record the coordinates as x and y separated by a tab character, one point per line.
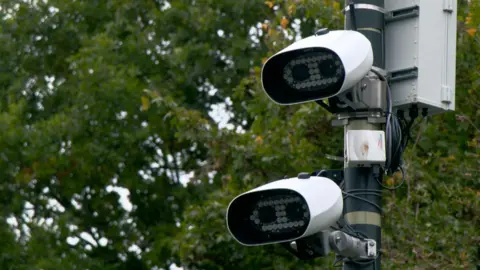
317	67
284	210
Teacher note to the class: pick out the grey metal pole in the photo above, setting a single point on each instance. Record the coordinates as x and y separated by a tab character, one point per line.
367	18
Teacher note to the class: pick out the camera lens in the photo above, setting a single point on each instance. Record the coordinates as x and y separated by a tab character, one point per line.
300	72
267	214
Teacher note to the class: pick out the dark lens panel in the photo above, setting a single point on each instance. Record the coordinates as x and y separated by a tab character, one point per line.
305	75
280	214
313	71
268	216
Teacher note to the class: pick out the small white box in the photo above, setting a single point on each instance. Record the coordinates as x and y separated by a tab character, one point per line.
420	53
364	148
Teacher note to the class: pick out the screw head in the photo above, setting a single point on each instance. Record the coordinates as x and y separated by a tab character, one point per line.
303	175
371	244
322	31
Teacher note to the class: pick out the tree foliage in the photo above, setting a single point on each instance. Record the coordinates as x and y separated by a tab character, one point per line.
102	96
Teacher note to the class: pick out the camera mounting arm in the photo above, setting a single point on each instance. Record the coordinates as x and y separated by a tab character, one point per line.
351	247
347	247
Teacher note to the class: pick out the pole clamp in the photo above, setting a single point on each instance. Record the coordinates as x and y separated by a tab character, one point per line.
351	247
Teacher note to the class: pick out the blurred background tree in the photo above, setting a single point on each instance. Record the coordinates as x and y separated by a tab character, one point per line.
127	127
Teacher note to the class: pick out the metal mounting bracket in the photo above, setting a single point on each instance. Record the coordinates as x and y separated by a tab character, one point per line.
353	248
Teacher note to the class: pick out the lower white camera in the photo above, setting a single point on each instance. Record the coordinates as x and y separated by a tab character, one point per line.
284	210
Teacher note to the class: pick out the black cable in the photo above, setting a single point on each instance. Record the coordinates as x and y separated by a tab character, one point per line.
366	263
352	232
380	75
364	190
394	132
397	131
347	194
394	137
367	193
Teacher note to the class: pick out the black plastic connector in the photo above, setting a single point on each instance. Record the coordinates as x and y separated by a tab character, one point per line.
425	112
400	114
376	171
413	112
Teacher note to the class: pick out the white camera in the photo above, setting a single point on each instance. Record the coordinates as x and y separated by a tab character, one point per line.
284	210
317	67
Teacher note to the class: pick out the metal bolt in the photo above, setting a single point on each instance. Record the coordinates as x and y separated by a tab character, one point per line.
337	239
371	244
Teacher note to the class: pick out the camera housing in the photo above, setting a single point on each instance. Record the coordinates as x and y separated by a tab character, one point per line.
317	67
284	210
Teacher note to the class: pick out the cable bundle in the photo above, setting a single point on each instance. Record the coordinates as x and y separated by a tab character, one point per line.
396	143
397	133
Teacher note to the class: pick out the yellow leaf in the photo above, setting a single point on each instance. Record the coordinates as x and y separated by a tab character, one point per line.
269	4
468	19
264	59
472	31
336	5
145	103
264	26
451	158
390	181
291	9
154	94
259	139
284	22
